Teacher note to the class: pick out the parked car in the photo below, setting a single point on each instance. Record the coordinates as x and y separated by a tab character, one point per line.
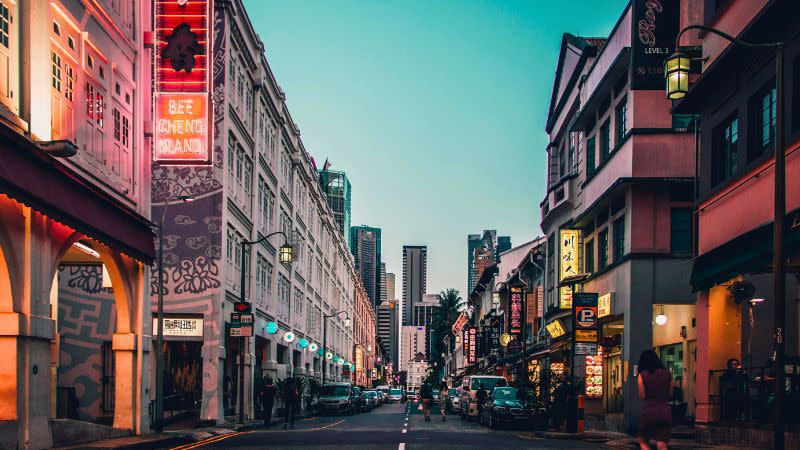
452	400
395	395
381	397
371	399
469	387
412	396
435	396
337	398
508	405
359	399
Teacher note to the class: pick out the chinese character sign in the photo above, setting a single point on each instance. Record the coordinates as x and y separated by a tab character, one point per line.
182	75
515	307
568	264
472	354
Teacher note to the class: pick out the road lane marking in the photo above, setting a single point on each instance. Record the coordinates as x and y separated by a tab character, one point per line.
327	426
524	437
402	446
210	440
404	431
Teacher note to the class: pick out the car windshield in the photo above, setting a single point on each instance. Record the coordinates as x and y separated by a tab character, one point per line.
334	391
488	383
453	391
396	392
370	393
506	393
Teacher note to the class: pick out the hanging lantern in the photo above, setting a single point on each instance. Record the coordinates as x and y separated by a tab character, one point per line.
303	343
271	328
329	355
285	253
288	337
312	347
676	70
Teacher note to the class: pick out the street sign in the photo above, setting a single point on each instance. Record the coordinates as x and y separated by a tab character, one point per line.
584	348
586	316
241	325
242	307
586	336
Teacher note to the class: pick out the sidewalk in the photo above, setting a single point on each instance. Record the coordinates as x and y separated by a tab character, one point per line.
622	441
173	438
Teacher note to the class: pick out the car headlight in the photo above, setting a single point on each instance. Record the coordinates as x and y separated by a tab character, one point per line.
500	408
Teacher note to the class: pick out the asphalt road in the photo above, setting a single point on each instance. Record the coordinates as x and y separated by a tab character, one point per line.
395	426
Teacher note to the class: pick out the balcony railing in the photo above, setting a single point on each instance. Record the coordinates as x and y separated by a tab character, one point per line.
748	395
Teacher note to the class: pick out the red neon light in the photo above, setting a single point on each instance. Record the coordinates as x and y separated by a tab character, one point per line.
182	81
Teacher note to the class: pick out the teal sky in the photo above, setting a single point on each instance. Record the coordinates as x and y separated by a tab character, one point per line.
435	109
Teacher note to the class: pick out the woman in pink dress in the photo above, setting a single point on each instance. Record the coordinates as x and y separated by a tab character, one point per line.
654	383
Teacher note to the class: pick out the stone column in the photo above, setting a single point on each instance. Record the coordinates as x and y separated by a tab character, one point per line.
125	392
211	407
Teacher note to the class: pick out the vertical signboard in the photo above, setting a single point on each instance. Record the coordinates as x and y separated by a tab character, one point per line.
182	78
472	352
655	27
567	264
585	321
515	307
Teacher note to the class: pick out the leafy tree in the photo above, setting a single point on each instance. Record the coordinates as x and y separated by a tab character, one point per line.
450	307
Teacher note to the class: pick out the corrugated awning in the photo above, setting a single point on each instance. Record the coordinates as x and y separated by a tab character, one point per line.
32	177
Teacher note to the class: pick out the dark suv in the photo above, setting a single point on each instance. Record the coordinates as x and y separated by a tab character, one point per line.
337	398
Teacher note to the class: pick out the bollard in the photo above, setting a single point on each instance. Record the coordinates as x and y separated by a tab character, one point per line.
580	414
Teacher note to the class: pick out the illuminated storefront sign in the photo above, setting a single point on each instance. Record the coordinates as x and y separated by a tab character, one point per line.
604	305
459	323
515	305
594	374
180	327
568	264
359	359
472	354
182	79
555	329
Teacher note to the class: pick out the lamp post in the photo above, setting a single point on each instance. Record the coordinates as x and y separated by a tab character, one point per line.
325	318
677	84
159	413
285	257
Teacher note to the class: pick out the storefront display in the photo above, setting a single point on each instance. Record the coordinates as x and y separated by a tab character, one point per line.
594	375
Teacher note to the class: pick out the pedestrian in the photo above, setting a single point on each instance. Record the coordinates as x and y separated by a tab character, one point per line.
268	400
480	397
290	396
654	382
426	394
443	395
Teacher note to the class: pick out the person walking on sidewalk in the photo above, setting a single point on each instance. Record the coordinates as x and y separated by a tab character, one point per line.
443	392
656	417
290	400
426	394
268	400
480	397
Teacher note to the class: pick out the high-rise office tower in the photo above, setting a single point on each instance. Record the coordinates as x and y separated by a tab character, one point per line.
382	283
388	330
337	189
365	243
415	278
390	293
424	311
486	244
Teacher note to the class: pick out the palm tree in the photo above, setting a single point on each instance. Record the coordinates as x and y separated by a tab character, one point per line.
450	307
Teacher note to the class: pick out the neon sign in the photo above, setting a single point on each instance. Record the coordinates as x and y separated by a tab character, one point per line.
182	79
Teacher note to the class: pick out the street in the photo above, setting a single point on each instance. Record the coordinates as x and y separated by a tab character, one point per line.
394	426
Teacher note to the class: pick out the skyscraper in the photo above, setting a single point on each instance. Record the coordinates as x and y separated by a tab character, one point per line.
389	310
365	243
337	188
415	278
486	244
390	292
382	287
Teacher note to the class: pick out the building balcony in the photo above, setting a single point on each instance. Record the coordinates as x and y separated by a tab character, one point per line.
558	197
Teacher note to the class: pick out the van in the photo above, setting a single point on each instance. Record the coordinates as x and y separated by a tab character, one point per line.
338	398
469	387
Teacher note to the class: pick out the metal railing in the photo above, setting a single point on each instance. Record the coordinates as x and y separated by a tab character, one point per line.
747	395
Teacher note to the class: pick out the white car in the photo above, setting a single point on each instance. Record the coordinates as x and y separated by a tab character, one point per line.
395	395
468	406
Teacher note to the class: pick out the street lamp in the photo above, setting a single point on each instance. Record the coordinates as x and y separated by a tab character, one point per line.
328	354
159	419
677	61
285	257
676	69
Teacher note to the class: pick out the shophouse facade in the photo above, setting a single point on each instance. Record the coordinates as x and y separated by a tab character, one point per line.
262	180
365	348
734	91
75	240
618	207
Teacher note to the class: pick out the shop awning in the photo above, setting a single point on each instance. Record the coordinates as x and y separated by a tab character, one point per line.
750	252
32	177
